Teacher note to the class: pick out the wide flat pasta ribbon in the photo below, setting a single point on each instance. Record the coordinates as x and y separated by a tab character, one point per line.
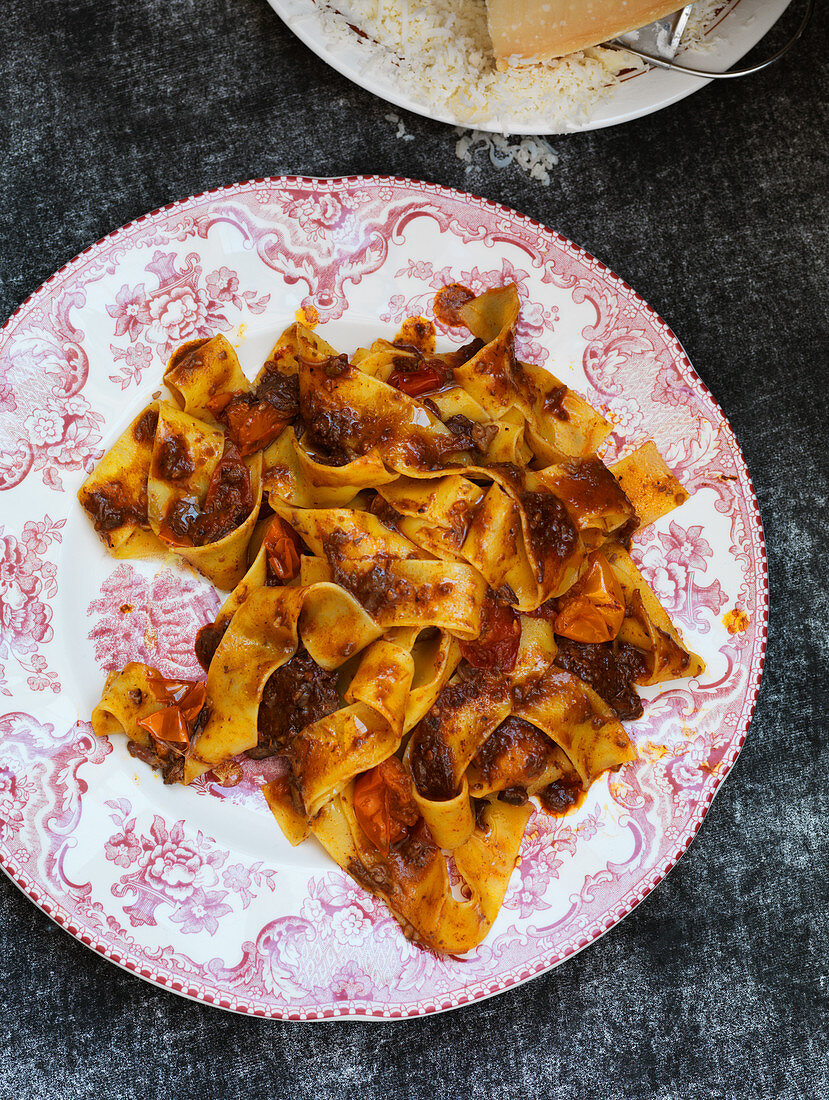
296	477
264	634
413	879
648	625
203	500
114	495
199	370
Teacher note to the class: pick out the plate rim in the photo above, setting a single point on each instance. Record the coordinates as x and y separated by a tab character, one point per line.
465	995
758	26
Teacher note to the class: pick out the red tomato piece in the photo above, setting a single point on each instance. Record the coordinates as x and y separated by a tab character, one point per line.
416	383
282	547
594	608
186	698
496	647
383	804
252	424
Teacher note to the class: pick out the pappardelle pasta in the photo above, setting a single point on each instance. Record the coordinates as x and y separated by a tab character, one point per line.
434	627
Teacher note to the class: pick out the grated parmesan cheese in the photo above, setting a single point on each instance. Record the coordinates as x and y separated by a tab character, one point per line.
533	155
438	52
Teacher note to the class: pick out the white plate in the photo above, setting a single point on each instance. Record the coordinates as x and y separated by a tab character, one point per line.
738	27
196	889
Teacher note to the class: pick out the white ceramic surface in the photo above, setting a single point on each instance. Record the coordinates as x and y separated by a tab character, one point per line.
196	889
736	29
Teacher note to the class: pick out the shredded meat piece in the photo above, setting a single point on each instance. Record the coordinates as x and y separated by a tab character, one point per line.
207	642
336	365
171	767
339	431
552	532
552	403
387	515
173	461
462	427
515	750
375	588
562	795
144	430
228	503
475	437
515	796
610	668
465	353
624	534
279	390
109	508
297	694
431	759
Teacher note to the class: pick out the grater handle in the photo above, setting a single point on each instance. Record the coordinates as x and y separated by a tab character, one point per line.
661	63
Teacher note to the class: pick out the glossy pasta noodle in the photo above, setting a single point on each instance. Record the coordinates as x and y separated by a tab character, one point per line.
433	625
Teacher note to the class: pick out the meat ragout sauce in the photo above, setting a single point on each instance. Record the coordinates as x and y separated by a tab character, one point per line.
403	865
589	485
207	642
514	755
166	759
377	586
299	693
449	302
563	795
172	460
552	533
430	758
553	403
227	504
517	750
254	420
144	430
609	668
342	433
109	508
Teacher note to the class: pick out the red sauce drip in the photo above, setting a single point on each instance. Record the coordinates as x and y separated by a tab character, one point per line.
448	303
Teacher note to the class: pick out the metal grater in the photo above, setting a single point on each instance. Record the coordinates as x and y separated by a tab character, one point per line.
658	42
660	38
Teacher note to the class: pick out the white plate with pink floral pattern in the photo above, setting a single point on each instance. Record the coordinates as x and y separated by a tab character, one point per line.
196	889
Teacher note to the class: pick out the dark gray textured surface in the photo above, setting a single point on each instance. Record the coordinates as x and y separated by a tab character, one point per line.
714	210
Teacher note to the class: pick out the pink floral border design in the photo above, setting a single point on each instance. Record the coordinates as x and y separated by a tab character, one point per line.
333	236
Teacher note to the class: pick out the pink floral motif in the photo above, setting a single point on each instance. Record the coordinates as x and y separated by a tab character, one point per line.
136	358
321	945
240	880
673	563
179	309
547	842
179	871
153	621
686	547
14	794
203	911
321	215
131	311
54	428
350	983
27	580
350	925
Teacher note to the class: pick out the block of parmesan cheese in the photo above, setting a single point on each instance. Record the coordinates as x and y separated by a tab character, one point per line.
553	28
